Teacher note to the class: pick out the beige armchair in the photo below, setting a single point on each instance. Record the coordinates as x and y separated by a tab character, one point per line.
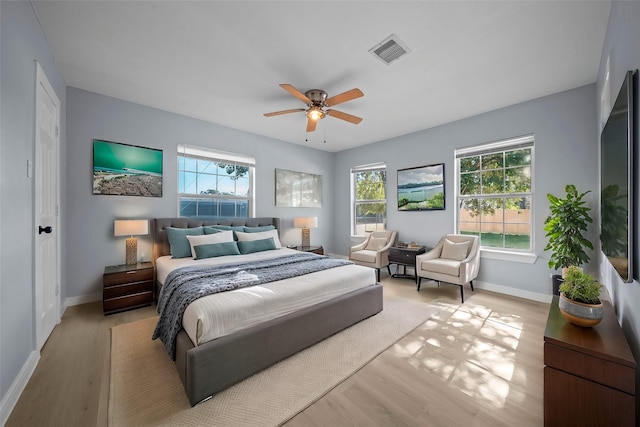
455	260
374	251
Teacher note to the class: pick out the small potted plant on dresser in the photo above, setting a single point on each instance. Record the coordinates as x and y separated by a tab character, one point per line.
579	300
565	226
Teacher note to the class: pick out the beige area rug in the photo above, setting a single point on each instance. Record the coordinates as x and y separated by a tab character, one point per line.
145	388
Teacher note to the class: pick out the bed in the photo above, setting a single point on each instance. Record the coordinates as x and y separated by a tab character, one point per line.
206	368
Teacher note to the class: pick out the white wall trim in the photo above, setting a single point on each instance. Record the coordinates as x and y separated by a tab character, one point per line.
515	292
528	258
83	299
13	394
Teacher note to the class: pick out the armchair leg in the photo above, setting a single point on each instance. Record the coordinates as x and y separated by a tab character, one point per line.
419	281
471	283
462	293
389	269
378	274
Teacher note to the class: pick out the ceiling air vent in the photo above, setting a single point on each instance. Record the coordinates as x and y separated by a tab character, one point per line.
389	49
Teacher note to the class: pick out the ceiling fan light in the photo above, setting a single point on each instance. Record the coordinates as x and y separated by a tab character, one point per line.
315	113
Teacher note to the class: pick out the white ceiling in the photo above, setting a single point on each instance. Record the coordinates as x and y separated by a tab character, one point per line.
222	61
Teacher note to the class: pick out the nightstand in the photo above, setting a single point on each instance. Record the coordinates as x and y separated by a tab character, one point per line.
405	256
125	287
315	249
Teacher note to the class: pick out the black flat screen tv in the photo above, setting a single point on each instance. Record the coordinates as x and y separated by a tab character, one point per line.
126	170
617	166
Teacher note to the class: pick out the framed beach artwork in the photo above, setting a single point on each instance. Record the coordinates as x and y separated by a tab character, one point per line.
298	189
421	188
126	170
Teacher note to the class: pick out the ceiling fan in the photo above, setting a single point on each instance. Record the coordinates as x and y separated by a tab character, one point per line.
317	101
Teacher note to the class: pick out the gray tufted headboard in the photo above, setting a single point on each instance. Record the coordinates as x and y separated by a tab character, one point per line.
159	226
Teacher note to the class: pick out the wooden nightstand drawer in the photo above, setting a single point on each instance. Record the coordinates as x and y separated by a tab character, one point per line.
127	302
405	255
117	291
119	278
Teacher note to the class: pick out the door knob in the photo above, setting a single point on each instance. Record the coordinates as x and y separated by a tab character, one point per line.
46	229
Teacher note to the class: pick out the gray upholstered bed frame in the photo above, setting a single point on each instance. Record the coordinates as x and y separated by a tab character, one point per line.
218	364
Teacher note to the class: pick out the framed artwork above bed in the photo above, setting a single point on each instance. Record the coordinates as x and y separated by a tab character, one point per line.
126	170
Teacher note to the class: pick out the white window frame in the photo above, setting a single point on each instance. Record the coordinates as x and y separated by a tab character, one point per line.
354	202
527	141
202	153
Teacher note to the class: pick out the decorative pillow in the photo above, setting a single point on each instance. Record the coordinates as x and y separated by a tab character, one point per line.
208	239
248	237
178	243
247	247
216	249
259	229
210	229
376	243
455	251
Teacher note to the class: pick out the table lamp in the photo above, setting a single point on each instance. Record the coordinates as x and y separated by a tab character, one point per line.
131	227
306	223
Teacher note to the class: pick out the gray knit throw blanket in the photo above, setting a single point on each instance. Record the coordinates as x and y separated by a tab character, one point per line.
187	284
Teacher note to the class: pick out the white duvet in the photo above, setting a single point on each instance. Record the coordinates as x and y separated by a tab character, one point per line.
221	314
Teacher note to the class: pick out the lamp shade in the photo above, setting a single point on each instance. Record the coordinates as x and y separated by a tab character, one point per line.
305	222
130	227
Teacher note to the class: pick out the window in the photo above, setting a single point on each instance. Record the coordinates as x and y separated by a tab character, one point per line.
214	183
495	193
368	199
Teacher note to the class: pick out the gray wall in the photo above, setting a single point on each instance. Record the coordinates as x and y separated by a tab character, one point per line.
90	243
621	43
22	42
565	153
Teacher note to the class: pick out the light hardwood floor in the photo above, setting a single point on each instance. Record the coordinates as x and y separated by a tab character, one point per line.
476	364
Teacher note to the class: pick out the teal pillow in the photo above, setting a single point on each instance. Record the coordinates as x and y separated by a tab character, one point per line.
216	249
208	229
256	246
178	243
259	229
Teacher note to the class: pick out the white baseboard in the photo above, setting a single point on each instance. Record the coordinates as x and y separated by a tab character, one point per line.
68	302
507	290
13	394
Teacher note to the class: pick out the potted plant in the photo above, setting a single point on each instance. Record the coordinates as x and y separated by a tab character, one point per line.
565	226
579	299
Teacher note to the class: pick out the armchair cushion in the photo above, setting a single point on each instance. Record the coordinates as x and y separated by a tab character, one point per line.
376	243
455	251
364	255
442	266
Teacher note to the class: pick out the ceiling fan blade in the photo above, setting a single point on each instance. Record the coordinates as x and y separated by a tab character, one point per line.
277	113
344	97
295	92
311	125
344	116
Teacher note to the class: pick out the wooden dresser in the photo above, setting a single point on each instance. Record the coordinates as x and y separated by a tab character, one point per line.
589	373
127	286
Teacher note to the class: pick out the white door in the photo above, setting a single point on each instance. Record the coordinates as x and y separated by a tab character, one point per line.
45	173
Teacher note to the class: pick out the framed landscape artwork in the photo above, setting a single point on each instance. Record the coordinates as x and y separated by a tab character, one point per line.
421	188
298	189
126	170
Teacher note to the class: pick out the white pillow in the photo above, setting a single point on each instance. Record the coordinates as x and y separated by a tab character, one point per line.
206	239
376	243
455	251
249	237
